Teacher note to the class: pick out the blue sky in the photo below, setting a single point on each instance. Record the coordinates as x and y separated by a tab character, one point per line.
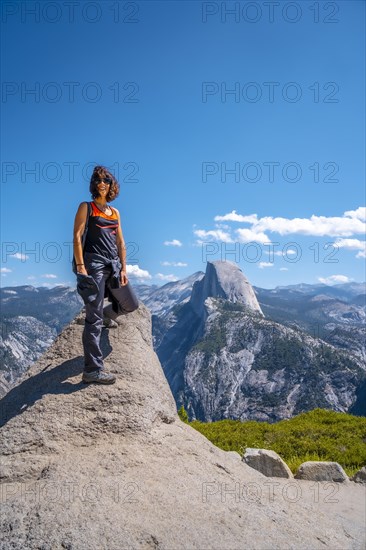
276	165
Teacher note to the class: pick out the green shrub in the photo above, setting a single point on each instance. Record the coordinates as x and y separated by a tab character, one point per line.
319	434
182	413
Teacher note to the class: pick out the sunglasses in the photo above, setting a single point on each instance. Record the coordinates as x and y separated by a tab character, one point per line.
108	181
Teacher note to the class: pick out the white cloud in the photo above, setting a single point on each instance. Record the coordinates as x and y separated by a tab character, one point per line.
136	271
283	268
317	226
5	270
234	217
222	226
349	224
212	236
19	256
169	278
49	276
248	235
265	264
9	292
352	244
174	264
31	278
333	279
174	242
360	213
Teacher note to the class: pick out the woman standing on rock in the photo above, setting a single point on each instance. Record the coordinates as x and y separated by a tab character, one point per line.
100	267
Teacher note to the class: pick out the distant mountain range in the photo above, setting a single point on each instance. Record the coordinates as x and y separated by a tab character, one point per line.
228	349
235	351
31	318
336	314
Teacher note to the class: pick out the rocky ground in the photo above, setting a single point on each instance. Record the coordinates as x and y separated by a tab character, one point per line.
113	467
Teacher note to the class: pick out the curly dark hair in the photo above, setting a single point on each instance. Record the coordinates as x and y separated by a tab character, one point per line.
100	172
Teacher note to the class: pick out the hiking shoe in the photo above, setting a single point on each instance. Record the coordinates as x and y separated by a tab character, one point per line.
99	377
109	323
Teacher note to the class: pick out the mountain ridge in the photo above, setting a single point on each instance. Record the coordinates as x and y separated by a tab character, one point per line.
224	359
338	319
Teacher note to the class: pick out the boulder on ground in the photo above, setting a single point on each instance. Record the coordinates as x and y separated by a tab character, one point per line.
269	463
360	476
321	471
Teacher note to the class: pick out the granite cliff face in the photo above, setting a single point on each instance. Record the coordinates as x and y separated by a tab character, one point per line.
88	467
223	279
245	367
224	359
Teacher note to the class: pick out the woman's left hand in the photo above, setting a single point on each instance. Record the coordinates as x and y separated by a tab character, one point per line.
124	279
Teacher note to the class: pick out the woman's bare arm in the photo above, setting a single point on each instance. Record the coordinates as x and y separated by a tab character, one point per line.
79	226
121	243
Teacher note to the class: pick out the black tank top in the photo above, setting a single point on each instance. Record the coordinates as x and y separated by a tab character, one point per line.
102	233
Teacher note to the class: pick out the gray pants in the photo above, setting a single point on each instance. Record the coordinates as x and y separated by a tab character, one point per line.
94	313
